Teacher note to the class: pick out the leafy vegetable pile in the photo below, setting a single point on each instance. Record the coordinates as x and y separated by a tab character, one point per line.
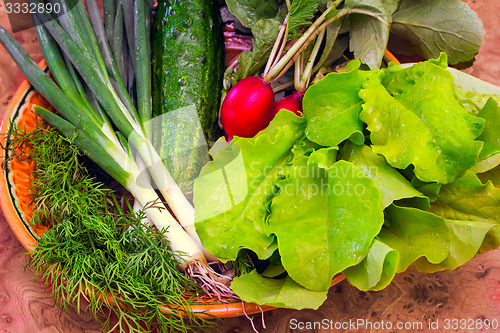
386	169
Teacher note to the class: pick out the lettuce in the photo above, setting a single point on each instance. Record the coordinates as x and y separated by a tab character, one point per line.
324	222
414	118
332	107
376	270
392	184
283	293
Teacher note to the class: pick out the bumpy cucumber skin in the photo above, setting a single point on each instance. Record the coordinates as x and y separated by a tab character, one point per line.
188	68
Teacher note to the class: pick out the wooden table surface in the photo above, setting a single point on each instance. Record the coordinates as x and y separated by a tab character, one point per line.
471	291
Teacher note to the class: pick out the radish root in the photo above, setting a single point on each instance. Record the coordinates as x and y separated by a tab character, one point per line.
212	283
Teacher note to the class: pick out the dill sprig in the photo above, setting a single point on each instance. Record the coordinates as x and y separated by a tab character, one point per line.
96	252
60	181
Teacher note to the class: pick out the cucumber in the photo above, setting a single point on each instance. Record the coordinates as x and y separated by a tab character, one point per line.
187	73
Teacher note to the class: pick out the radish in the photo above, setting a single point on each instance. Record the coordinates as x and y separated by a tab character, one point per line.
247	108
292	102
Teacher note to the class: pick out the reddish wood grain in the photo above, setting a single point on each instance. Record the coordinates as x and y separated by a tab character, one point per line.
467	292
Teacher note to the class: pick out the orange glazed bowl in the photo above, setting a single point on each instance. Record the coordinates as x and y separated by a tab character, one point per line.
15	183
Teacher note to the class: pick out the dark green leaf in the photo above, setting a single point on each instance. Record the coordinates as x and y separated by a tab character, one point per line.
391	5
369	30
324	220
265	32
301	12
469	199
250	12
421	22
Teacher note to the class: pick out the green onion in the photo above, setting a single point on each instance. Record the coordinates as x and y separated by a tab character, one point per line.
142	62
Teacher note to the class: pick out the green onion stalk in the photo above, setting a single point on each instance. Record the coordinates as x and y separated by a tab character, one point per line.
105	124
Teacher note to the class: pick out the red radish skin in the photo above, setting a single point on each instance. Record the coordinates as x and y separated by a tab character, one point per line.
247	108
292	102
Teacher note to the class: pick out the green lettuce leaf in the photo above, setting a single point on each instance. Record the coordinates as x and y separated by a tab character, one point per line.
283	293
466	238
391	5
377	270
421	22
415	233
492	175
334	46
491	134
324	220
332	107
232	192
430	190
472	102
467	198
473	84
392	184
414	118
